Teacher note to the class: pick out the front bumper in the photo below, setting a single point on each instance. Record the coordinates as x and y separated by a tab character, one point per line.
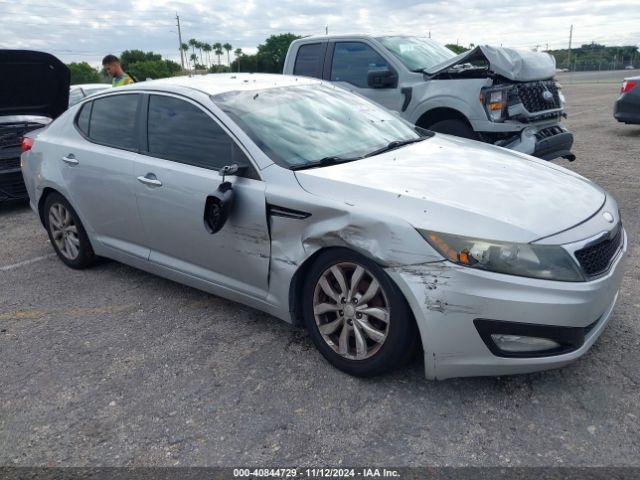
547	142
446	299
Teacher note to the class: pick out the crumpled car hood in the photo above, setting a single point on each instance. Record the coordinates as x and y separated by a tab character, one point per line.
516	65
453	185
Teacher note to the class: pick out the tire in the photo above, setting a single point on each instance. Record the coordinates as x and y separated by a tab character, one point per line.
454	127
66	233
328	317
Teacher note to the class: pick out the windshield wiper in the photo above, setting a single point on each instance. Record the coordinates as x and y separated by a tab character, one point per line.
324	162
395	144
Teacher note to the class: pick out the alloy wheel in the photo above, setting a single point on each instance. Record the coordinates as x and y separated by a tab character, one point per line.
64	231
351	311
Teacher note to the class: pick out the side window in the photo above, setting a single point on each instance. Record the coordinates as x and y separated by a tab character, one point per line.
82	121
113	121
352	62
309	60
179	131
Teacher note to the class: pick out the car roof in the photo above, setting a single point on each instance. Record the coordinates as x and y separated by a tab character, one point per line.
91	85
216	83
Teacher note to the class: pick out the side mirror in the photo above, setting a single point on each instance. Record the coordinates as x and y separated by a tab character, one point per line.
218	206
382	79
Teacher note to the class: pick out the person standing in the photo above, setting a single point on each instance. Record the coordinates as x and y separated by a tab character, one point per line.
113	68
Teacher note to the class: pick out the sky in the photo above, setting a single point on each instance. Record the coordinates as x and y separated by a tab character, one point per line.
86	30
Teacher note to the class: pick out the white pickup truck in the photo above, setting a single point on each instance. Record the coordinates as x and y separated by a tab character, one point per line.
501	96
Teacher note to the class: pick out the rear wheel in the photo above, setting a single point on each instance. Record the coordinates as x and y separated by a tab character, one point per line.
356	315
67	235
454	127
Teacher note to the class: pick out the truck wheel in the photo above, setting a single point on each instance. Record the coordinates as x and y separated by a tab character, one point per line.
454	127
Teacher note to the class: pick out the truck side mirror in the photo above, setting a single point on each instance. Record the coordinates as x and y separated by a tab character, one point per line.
382	79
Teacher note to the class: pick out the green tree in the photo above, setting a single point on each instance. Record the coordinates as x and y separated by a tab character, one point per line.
207	49
185	48
217	48
228	48
194	60
271	54
129	57
82	72
192	43
238	53
154	69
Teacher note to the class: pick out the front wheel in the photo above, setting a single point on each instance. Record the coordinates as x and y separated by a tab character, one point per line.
356	316
454	127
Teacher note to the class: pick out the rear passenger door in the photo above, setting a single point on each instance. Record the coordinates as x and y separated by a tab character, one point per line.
310	60
185	148
97	167
350	63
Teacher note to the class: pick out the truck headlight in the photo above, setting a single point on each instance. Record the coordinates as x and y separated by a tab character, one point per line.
548	262
495	103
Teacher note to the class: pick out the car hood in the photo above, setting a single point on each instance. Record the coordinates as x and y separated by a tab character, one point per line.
516	65
33	83
458	186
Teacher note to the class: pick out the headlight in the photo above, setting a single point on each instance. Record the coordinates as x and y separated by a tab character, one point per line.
526	260
495	103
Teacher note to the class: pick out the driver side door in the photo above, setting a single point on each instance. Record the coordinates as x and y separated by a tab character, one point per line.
185	148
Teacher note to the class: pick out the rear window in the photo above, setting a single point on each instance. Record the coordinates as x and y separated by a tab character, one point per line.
83	118
309	60
113	121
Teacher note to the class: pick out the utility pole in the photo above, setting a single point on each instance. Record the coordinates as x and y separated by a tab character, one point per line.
326	30
569	54
180	41
429	33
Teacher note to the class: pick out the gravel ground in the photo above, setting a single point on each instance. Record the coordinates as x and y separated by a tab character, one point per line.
112	366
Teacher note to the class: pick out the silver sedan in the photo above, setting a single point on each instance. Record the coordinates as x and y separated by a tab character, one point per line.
317	206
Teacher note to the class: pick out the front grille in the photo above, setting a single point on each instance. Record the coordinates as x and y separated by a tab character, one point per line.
596	259
531	94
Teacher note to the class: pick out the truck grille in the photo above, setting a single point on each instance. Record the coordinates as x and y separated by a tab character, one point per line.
531	94
596	259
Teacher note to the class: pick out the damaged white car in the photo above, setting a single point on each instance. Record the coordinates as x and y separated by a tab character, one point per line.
382	238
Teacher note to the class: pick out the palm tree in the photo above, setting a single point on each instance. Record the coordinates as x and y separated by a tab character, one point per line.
194	61
184	48
228	48
238	53
218	50
207	49
199	46
193	43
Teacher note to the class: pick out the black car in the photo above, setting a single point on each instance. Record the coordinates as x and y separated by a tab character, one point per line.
34	89
627	107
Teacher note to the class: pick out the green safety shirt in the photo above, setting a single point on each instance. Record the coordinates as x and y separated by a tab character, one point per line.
122	80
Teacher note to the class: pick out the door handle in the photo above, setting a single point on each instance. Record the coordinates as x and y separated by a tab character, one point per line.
70	159
150	179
